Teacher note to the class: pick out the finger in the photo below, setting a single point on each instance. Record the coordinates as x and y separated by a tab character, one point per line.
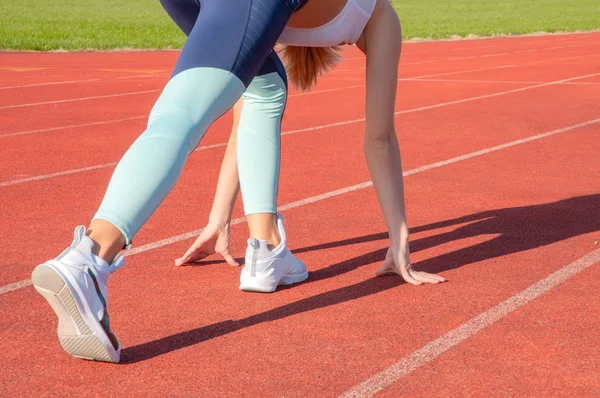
427	275
230	260
193	254
180	261
192	258
186	257
424	277
408	277
438	277
432	276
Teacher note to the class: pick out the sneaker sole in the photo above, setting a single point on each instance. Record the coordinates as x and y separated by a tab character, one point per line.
76	336
259	285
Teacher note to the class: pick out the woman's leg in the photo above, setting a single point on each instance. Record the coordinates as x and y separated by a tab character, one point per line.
258	150
269	262
226	48
260	129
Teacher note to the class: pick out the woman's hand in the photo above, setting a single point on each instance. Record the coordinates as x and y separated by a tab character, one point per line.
215	236
397	262
213	239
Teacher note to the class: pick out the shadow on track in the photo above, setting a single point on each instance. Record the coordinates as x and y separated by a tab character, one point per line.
517	229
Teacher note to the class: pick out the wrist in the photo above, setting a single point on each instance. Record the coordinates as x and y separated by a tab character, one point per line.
402	252
399	237
219	217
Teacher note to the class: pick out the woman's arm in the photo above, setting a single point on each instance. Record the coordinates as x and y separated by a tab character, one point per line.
382	43
215	236
228	184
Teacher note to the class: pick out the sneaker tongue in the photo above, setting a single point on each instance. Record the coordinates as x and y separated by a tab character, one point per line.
85	246
78	234
281	227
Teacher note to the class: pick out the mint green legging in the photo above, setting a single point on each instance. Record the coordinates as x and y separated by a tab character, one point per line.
150	168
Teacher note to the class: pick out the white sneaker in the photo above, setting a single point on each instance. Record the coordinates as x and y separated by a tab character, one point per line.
74	284
265	269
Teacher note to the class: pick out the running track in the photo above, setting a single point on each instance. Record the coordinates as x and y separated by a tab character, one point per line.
500	141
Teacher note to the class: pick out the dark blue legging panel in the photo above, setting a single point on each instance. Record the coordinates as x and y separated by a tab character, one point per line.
233	35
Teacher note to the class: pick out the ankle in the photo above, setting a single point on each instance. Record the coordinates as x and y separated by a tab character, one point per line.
264	227
273	241
103	249
108	240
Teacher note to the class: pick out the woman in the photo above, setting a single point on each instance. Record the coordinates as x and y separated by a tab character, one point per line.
310	37
228	52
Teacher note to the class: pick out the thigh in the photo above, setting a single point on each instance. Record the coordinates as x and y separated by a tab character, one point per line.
235	35
273	64
183	12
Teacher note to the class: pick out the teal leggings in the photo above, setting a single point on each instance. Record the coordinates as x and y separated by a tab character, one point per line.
209	78
258	143
152	165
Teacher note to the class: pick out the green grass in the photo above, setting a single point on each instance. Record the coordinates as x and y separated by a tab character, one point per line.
446	18
86	24
109	24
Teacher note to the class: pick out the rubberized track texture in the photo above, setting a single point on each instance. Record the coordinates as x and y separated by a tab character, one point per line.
500	141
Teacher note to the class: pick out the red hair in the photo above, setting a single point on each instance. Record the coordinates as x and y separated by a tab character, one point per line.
304	65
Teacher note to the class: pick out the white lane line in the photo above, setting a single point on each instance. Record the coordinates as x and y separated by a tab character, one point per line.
502	146
73	126
533	63
15	286
78	99
85	169
494	81
314	128
455	58
57	174
315	92
434	349
158	74
49	84
165	74
516	90
459	58
291	95
493	55
458	72
443	104
188	235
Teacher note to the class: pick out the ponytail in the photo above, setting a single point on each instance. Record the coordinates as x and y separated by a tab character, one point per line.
304	65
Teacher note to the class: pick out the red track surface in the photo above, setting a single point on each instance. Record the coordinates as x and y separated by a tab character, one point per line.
494	224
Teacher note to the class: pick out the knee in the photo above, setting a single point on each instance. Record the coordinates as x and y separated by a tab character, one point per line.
191	101
266	94
262	111
173	123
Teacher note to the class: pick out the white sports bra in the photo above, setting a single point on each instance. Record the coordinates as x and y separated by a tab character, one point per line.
346	27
